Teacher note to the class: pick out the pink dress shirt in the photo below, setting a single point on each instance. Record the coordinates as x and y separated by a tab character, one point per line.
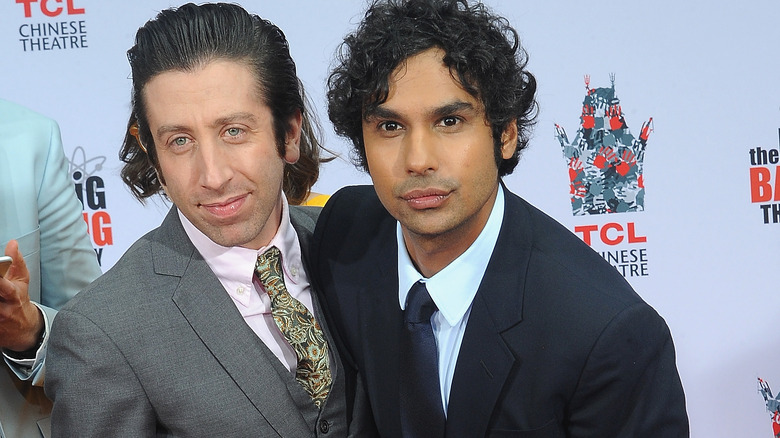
234	267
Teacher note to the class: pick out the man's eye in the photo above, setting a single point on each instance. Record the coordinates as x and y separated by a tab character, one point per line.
233	131
389	126
179	144
449	121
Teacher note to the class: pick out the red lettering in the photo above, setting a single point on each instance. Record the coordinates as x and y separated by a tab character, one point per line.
72	10
632	237
48	12
27	7
777	183
761	184
611	233
586	230
101	234
611	226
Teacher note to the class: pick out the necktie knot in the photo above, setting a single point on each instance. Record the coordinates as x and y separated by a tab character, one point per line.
419	304
269	270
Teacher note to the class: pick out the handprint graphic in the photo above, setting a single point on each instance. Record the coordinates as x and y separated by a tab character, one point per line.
772	405
605	160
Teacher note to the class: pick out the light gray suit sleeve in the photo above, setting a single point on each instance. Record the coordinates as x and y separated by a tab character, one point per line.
83	363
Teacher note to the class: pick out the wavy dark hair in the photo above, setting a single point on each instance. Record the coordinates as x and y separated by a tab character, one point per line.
481	49
187	38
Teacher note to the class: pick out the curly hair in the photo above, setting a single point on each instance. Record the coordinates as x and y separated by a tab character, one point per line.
188	37
481	49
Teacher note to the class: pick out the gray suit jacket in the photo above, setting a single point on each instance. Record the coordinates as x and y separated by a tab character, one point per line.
156	347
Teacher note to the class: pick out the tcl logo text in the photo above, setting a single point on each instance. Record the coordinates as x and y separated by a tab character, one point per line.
50	8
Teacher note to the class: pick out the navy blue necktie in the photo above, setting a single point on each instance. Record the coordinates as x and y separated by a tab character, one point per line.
422	414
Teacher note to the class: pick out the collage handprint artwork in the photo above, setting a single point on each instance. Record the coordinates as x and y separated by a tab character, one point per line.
605	160
772	405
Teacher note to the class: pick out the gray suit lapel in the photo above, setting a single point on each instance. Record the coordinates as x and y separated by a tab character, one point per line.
214	318
304	219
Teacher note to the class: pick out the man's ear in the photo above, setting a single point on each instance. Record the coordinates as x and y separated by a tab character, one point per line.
292	140
509	140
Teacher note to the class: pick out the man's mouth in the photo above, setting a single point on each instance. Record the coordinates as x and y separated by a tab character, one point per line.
225	208
422	199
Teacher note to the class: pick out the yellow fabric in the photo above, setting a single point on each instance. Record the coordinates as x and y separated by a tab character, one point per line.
316	200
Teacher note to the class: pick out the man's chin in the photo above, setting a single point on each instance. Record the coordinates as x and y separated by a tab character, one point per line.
229	235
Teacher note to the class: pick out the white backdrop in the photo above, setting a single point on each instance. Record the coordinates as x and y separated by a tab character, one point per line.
705	72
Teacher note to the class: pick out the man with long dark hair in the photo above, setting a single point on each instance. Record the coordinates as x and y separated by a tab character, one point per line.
208	325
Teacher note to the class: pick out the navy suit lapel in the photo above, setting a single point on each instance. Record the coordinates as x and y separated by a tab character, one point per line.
381	322
214	318
485	360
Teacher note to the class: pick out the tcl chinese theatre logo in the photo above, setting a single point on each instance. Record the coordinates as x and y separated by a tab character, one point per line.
51	25
606	176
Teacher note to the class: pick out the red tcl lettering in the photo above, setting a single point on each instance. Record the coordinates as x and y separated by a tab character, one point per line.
50	10
612	233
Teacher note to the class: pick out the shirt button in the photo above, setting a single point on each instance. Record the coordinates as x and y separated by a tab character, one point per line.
294	271
324	426
240	290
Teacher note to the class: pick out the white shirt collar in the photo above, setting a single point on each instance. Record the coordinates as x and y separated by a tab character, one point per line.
454	287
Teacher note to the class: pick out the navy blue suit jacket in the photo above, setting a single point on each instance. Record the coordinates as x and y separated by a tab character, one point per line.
557	343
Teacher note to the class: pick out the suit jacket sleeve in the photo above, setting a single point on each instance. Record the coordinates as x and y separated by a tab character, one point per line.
67	260
630	386
84	362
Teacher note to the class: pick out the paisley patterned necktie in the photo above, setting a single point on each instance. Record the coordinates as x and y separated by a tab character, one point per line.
298	326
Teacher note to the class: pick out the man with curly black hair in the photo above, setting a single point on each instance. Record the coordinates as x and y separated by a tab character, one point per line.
466	310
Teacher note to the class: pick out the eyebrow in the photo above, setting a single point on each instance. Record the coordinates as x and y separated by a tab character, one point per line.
382	112
230	118
235	117
451	108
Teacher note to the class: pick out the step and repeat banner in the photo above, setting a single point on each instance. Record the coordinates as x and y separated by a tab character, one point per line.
657	143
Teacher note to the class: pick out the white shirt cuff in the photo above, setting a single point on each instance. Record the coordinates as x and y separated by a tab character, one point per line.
26	368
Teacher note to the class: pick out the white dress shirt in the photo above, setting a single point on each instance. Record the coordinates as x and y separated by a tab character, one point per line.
234	267
453	290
